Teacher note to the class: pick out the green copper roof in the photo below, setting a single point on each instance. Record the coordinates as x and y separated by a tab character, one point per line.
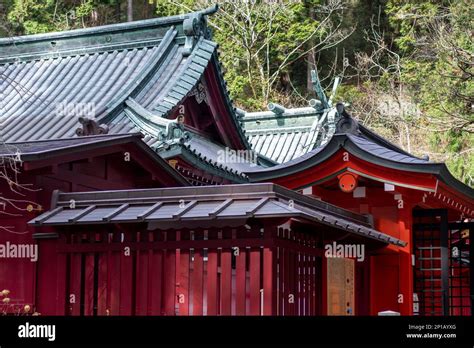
289	134
145	68
130	76
283	134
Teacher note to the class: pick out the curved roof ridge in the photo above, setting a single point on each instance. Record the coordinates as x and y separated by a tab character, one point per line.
107	38
108	28
346	141
371	135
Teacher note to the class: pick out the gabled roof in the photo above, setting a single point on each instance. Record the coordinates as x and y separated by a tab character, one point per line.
40	150
163	208
366	145
283	134
196	149
146	67
209	156
282	137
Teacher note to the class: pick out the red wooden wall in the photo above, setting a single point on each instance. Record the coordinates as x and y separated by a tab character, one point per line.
188	272
30	282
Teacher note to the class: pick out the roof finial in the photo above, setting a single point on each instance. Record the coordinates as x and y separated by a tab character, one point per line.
318	89
278	110
324	101
195	25
210	10
90	127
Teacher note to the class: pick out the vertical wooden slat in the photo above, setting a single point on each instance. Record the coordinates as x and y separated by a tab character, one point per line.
62	280
226	277
156	277
150	284
226	282
281	285
289	283
212	282
169	278
240	282
298	283
114	269
254	269
269	281
303	284
177	274
156	280
126	278
102	290
183	293
197	282
74	296
212	276
315	273
89	285
291	279
308	287
286	280
141	282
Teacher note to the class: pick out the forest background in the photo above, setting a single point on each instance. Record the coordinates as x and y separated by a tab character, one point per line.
407	67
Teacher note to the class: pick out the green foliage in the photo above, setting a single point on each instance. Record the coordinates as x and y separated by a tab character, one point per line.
34	16
265	52
435	41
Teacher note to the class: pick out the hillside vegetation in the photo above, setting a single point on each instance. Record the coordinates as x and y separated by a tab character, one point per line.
406	66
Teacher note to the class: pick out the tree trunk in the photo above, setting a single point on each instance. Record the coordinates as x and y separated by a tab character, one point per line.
118	12
129	10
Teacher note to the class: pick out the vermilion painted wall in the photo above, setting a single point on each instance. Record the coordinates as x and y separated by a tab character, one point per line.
35	283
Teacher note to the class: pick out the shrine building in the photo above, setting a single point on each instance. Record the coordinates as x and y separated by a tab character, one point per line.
147	192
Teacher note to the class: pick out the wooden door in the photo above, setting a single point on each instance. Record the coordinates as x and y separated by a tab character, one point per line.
340	286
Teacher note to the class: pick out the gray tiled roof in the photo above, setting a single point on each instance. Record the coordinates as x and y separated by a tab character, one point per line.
376	149
366	145
282	137
129	76
159	207
38	150
208	155
38	147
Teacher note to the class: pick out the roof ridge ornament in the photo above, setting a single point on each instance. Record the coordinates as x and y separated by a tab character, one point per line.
175	131
194	26
346	124
199	92
318	89
91	127
278	110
